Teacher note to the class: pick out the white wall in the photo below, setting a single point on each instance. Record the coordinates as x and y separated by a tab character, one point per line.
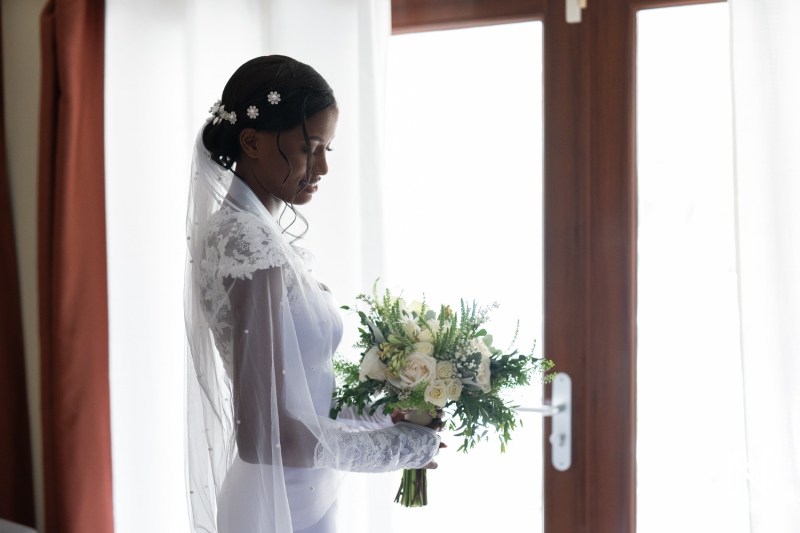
21	75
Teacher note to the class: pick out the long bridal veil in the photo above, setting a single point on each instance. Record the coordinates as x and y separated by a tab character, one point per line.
262	453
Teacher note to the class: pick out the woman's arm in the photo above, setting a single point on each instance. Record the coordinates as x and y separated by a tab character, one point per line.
264	372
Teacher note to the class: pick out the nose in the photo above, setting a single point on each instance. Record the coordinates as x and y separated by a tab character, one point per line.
320	166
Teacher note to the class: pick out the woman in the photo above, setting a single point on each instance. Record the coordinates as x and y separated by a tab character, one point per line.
263	454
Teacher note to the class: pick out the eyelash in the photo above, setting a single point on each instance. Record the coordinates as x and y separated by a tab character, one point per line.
327	149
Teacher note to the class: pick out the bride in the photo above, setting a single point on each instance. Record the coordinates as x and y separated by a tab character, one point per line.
263	454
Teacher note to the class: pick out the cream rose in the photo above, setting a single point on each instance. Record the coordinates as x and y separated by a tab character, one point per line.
425	335
372	366
436	393
415	307
484	377
419	367
423	347
444	369
453	388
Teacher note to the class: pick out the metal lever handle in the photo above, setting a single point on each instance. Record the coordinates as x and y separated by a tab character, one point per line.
561	411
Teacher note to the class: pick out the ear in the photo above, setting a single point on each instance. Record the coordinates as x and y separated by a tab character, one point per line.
249	141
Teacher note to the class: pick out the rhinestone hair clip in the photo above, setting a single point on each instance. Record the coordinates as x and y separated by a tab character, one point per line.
218	110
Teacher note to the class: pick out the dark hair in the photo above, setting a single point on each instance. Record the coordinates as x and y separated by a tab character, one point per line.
303	94
302	91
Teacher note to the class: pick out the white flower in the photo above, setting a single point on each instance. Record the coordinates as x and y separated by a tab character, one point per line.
444	370
372	366
436	393
252	112
433	324
232	117
215	108
411	326
484	377
423	347
415	307
273	98
425	335
419	367
453	388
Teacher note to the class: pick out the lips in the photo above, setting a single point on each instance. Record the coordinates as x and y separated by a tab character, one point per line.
310	184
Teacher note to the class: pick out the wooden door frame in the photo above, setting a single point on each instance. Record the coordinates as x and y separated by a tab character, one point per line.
590	218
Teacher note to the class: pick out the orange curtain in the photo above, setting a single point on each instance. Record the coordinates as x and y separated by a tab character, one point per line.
73	304
16	476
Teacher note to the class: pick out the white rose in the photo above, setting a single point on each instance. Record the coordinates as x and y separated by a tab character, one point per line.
372	366
453	388
419	367
444	370
424	347
436	393
425	335
484	377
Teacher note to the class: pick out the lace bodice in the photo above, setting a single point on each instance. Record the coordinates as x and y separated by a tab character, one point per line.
237	245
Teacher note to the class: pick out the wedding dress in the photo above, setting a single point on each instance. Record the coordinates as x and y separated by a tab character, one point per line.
262	453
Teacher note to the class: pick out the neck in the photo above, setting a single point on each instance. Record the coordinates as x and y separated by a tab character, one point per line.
246	173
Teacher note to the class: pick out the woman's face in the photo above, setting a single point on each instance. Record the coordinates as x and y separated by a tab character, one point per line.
266	171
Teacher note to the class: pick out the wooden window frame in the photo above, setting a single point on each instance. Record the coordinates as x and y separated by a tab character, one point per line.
590	218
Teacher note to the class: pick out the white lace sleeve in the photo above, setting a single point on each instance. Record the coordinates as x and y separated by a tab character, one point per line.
403	445
239	244
364	421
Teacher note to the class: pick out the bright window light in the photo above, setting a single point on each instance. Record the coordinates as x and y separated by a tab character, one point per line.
690	446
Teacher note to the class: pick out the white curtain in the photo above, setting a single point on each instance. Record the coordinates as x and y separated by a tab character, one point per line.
167	61
766	82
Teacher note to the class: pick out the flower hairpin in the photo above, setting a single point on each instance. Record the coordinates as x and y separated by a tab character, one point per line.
274	97
252	112
219	113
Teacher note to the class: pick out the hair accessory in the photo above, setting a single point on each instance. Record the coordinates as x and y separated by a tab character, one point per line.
252	112
274	97
220	114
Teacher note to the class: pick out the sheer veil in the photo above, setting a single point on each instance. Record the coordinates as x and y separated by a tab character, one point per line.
262	452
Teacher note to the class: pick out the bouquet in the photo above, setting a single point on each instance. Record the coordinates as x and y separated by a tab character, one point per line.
423	362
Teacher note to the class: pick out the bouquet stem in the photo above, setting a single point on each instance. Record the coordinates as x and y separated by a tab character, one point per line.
413	491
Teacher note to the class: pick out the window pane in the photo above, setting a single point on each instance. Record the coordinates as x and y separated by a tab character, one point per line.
464	179
690	445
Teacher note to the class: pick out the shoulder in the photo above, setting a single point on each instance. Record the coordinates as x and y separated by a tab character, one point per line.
240	243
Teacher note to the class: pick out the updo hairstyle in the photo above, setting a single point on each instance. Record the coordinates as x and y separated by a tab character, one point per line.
303	94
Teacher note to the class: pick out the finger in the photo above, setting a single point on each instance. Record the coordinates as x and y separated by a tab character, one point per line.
442	445
431	466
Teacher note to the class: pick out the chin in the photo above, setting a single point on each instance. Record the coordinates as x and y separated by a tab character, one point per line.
301	199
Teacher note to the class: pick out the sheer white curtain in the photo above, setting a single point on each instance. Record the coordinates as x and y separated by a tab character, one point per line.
766	80
167	61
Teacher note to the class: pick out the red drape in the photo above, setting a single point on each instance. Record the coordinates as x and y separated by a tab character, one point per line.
72	271
16	476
